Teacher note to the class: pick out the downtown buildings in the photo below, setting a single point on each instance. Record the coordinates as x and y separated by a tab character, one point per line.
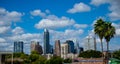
36	47
64	50
18	46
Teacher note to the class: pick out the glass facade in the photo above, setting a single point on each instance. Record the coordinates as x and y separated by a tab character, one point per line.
46	42
18	46
70	46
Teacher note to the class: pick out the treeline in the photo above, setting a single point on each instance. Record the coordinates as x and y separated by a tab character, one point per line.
35	58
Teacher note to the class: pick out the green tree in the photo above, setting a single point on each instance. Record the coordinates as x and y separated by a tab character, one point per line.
99	30
35	52
68	60
42	60
90	54
17	55
55	60
116	54
109	33
33	57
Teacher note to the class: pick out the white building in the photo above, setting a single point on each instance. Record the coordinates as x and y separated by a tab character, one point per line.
90	43
64	50
49	56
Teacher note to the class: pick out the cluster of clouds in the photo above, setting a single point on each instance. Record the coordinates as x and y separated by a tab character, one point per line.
6	19
114	7
79	7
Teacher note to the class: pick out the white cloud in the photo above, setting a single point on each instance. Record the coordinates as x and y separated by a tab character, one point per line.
68	34
114	8
80	26
38	13
4	29
73	32
25	37
18	30
79	7
114	16
8	17
116	25
2	40
54	22
98	2
118	32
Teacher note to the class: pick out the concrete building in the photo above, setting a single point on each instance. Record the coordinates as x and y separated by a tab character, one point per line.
89	43
18	46
2	56
46	42
57	50
36	47
64	50
48	56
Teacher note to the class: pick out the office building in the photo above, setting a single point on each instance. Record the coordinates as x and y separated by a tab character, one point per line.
57	50
36	47
18	46
89	43
71	48
46	42
64	50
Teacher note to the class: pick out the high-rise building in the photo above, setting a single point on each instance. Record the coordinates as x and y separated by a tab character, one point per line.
51	49
18	46
36	47
64	50
81	49
89	43
46	42
71	48
57	48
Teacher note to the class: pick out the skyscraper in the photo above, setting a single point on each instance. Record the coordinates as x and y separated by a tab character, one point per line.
77	50
64	50
57	48
36	47
18	46
46	42
89	43
71	48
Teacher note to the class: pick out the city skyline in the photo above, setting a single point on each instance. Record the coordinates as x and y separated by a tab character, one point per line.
66	20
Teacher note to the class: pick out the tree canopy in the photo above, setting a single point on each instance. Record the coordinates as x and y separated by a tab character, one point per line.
90	54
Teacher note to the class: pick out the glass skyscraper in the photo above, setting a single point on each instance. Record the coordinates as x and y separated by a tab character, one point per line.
70	46
18	46
46	42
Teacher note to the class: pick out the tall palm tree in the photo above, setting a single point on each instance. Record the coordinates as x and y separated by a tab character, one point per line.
99	30
109	33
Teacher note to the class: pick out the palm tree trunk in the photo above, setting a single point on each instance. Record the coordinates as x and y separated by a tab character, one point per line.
102	48
102	51
107	54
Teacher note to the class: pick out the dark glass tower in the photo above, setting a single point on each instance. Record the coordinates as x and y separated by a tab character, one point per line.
70	46
18	46
46	42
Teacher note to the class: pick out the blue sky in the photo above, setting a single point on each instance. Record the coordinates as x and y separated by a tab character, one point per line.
65	19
